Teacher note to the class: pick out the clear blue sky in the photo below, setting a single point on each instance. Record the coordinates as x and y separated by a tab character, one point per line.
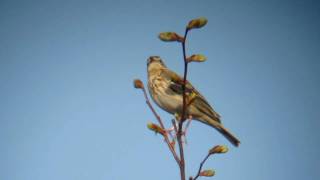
68	109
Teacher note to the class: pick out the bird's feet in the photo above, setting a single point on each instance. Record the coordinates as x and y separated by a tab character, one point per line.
184	129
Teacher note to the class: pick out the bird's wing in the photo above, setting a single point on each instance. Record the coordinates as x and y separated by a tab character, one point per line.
176	86
177	82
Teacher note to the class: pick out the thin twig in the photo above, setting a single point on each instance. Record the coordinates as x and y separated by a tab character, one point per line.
183	116
200	168
166	138
174	126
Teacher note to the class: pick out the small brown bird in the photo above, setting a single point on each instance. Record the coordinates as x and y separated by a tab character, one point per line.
165	87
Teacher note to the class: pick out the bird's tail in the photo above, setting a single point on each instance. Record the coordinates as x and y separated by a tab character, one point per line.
226	133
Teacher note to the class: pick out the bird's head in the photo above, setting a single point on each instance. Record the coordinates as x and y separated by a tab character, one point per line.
155	63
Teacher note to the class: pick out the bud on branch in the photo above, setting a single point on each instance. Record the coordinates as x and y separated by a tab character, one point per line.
207	173
170	37
218	149
197	23
156	128
138	84
196	58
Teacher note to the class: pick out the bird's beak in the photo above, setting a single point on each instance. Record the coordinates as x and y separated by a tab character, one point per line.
151	59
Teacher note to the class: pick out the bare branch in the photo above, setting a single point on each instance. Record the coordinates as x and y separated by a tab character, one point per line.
200	168
166	138
183	116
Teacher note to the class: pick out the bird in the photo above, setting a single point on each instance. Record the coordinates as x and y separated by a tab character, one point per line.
165	88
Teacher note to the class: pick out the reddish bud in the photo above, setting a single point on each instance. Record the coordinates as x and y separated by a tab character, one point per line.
138	84
156	128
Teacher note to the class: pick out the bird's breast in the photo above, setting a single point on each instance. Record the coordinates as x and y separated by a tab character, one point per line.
163	96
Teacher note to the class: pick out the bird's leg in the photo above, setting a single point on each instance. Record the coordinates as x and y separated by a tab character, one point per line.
190	98
174	138
168	131
187	125
166	134
175	126
184	132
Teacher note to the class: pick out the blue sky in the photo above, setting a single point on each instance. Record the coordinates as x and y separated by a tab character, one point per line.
68	108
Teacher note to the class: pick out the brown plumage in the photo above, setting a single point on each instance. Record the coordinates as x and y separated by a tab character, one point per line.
165	87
